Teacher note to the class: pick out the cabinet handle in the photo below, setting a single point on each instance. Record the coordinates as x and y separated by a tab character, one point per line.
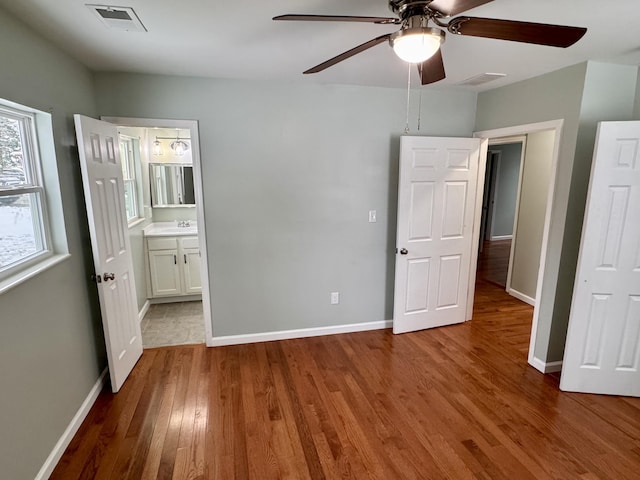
175	260
185	258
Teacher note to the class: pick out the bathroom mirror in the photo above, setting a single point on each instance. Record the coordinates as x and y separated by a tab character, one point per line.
171	185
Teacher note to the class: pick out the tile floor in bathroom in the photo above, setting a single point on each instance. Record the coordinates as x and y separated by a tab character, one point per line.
177	323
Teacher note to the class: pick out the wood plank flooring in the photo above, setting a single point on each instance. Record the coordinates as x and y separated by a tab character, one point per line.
493	261
456	402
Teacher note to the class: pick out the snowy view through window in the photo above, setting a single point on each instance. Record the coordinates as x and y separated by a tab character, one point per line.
19	222
17	236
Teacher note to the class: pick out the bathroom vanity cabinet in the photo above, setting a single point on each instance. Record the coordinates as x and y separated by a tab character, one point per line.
173	263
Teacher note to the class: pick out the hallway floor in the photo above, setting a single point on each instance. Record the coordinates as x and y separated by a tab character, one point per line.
493	261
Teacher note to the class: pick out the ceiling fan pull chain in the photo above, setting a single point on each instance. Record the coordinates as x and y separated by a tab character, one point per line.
406	128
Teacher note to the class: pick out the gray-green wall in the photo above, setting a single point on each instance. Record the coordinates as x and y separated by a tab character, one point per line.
290	172
174	214
609	93
51	344
581	95
506	195
531	212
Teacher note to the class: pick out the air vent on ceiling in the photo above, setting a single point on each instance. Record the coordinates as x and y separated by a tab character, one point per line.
482	78
118	18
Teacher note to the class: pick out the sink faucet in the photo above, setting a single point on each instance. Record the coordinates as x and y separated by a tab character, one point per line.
184	223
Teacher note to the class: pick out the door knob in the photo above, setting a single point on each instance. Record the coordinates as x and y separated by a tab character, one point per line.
109	276
404	251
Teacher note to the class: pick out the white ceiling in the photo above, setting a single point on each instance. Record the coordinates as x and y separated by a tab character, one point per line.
238	39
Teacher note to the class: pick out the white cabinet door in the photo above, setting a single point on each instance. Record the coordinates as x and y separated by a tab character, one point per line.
165	273
436	205
104	198
602	352
191	271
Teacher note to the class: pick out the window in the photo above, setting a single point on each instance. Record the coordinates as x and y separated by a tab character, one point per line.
24	229
128	149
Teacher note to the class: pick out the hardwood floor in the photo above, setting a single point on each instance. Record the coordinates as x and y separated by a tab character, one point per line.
493	261
456	402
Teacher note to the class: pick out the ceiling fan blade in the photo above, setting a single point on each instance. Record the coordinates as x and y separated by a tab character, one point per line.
338	18
526	32
450	8
349	53
432	69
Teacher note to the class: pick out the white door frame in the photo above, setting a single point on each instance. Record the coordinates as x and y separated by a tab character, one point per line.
475	238
521	139
493	163
519	130
192	126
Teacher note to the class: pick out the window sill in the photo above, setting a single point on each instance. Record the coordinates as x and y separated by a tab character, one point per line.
28	273
136	222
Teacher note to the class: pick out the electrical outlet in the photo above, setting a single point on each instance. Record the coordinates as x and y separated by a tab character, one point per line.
335	298
373	216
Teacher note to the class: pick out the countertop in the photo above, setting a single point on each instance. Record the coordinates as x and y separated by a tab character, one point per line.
169	229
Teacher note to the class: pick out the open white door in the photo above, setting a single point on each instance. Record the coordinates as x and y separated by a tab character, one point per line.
436	206
104	197
602	352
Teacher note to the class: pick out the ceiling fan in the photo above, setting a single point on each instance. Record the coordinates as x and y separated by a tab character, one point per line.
417	42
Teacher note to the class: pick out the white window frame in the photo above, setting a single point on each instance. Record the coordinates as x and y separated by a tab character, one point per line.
41	177
133	168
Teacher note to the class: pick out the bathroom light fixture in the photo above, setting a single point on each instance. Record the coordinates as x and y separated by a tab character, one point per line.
157	147
416	44
179	146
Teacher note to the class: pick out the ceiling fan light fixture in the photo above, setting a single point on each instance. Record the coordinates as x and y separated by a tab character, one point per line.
416	44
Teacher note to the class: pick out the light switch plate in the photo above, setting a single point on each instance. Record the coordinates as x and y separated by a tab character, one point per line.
373	216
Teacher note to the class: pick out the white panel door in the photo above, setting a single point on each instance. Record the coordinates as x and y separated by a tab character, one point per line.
436	205
602	352
104	197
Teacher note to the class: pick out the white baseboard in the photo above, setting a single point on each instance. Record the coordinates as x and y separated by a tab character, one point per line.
501	237
299	333
143	311
64	441
522	297
545	367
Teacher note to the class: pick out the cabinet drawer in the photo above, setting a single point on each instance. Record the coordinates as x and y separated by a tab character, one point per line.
189	242
160	243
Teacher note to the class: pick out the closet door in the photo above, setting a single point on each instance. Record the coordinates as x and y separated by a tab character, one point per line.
602	353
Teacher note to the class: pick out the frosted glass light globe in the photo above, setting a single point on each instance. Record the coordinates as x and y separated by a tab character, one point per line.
415	45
